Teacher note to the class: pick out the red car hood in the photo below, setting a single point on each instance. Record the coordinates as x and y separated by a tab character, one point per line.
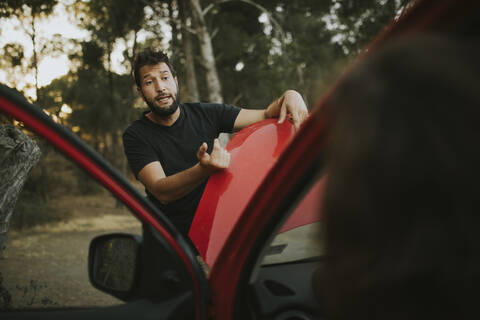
254	150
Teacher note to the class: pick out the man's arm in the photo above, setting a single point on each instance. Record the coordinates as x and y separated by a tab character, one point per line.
167	189
291	103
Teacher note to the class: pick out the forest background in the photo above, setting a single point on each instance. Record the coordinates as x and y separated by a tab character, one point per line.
241	52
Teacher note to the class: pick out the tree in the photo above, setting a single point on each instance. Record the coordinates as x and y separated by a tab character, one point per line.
261	50
192	93
28	12
361	20
207	54
264	49
13	58
108	21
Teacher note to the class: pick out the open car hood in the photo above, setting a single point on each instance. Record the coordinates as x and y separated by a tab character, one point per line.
254	150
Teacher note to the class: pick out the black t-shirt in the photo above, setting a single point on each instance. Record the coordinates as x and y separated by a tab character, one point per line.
176	148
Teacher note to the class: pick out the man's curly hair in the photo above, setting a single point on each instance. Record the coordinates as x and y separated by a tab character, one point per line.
149	56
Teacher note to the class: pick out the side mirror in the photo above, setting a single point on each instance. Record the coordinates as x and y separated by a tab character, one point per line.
113	263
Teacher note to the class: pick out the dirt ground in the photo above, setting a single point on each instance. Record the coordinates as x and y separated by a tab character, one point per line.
46	266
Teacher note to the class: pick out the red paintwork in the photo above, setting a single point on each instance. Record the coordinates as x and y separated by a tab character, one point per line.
254	150
290	166
221	207
309	208
226	196
427	15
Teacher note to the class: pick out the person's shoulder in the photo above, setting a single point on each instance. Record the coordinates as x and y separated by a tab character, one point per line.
197	105
187	106
208	107
198	108
202	105
212	105
209	110
135	127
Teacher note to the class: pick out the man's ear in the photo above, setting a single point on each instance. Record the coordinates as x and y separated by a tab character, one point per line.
140	91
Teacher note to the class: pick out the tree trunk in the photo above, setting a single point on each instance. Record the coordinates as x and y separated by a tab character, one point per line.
35	58
111	101
173	24
207	55
44	146
18	154
190	75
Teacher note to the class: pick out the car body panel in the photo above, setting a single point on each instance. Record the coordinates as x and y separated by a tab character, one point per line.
253	151
309	209
265	212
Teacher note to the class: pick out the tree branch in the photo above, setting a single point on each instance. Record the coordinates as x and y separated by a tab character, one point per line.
277	25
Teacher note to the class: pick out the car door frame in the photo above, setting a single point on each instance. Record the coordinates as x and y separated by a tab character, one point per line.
14	104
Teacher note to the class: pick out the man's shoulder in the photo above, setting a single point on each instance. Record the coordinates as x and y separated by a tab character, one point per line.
195	110
221	116
203	108
201	105
134	128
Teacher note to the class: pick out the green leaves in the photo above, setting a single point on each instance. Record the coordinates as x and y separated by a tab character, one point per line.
13	54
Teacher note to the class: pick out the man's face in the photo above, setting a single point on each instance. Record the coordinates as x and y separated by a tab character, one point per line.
159	89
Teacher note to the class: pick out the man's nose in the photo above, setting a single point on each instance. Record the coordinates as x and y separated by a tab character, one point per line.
159	86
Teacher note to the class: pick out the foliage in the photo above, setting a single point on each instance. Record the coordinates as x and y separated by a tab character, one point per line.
360	20
261	48
28	12
63	179
10	8
31	209
302	45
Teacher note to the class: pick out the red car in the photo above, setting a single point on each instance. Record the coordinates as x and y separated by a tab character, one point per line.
256	225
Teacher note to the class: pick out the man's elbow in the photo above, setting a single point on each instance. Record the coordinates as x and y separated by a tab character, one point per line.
161	191
164	198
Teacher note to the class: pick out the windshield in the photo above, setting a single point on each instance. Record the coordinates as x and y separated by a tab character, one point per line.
300	236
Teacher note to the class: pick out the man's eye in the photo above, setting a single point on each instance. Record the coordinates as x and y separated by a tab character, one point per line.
165	78
149	82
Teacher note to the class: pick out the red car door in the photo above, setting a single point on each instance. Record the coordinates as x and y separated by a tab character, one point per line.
188	292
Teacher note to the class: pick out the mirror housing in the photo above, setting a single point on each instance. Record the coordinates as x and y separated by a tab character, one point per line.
113	264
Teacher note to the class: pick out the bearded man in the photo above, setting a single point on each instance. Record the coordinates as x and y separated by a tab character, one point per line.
173	148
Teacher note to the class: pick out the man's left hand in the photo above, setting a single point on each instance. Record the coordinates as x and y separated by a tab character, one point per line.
290	105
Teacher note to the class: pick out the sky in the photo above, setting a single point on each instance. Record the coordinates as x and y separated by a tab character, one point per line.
49	67
60	22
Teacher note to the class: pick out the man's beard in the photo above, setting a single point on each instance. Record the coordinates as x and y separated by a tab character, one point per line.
164	112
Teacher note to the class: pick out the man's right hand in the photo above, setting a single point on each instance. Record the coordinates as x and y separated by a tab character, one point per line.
171	188
217	160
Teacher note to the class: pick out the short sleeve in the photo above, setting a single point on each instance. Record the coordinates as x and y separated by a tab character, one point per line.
225	116
138	152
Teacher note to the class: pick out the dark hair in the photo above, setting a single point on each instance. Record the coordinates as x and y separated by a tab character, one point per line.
147	57
402	203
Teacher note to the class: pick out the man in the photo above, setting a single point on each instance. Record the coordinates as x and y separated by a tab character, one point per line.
173	148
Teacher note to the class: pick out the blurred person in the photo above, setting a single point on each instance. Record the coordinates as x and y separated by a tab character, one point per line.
173	148
402	204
